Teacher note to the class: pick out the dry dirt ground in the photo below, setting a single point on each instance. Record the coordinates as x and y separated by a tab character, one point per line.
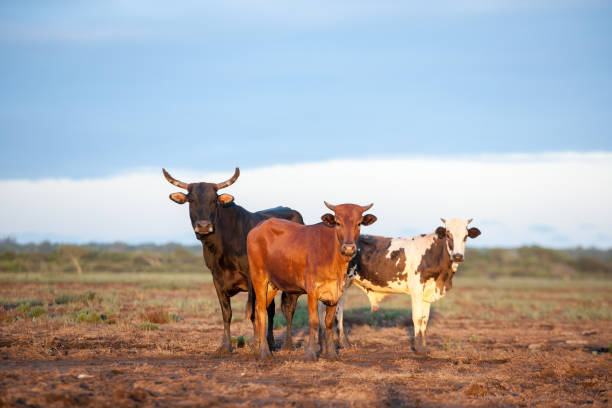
502	358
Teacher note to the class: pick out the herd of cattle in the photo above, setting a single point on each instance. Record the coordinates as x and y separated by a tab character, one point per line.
271	250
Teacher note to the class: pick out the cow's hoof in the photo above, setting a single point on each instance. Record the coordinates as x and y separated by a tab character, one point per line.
343	343
264	354
224	350
332	356
422	350
311	355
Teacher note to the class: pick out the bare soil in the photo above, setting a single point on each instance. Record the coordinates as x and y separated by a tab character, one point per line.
473	362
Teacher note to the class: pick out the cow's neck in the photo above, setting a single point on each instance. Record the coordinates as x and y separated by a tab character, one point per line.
226	221
435	262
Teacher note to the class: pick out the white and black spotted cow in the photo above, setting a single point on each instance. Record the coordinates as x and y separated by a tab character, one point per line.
422	266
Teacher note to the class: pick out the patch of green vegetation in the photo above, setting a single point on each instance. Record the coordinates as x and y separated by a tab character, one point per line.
27	309
72	298
385	317
148	326
176	318
79	259
239	341
104	277
14	303
300	318
86	316
37	311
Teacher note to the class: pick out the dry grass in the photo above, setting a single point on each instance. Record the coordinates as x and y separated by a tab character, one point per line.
133	344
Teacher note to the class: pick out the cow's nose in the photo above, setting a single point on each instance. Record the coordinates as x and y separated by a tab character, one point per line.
348	249
458	257
203	227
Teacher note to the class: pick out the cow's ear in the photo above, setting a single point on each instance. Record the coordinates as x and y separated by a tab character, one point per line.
368	219
329	219
473	232
179	198
441	232
225	199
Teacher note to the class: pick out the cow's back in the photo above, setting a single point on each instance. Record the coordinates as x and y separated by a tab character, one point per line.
390	264
284	213
290	250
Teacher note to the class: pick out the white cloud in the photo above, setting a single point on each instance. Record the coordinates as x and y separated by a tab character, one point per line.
546	199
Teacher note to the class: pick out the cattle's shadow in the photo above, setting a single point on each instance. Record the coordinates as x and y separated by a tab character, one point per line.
384	317
353	318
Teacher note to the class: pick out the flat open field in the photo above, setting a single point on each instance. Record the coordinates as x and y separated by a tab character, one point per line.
149	340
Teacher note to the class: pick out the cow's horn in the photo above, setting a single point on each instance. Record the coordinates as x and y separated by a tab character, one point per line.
365	208
174	181
470	220
230	181
331	207
443	220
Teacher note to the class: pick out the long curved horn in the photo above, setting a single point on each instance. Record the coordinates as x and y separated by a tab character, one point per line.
230	181
331	207
365	208
174	181
470	220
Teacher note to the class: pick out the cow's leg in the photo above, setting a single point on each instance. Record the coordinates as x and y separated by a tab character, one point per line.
425	306
288	304
322	337
330	317
342	340
417	304
313	322
226	311
271	313
261	304
249	311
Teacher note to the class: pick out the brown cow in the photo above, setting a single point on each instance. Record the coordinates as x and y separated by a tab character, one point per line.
299	259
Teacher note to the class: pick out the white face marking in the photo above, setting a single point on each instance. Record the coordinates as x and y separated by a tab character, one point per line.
457	229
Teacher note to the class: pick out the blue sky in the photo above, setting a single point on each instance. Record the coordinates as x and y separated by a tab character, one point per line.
93	92
90	89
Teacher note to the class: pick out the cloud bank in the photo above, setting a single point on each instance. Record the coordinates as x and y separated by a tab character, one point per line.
559	200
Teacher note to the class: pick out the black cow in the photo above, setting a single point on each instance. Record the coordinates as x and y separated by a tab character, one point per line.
222	227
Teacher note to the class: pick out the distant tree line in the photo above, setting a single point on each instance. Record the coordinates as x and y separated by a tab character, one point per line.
527	261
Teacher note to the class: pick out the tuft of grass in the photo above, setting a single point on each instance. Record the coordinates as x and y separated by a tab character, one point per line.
176	318
37	311
33	312
66	298
148	326
157	315
239	341
86	316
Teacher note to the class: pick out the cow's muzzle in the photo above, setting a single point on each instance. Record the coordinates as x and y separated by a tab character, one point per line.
457	257
203	227
348	249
